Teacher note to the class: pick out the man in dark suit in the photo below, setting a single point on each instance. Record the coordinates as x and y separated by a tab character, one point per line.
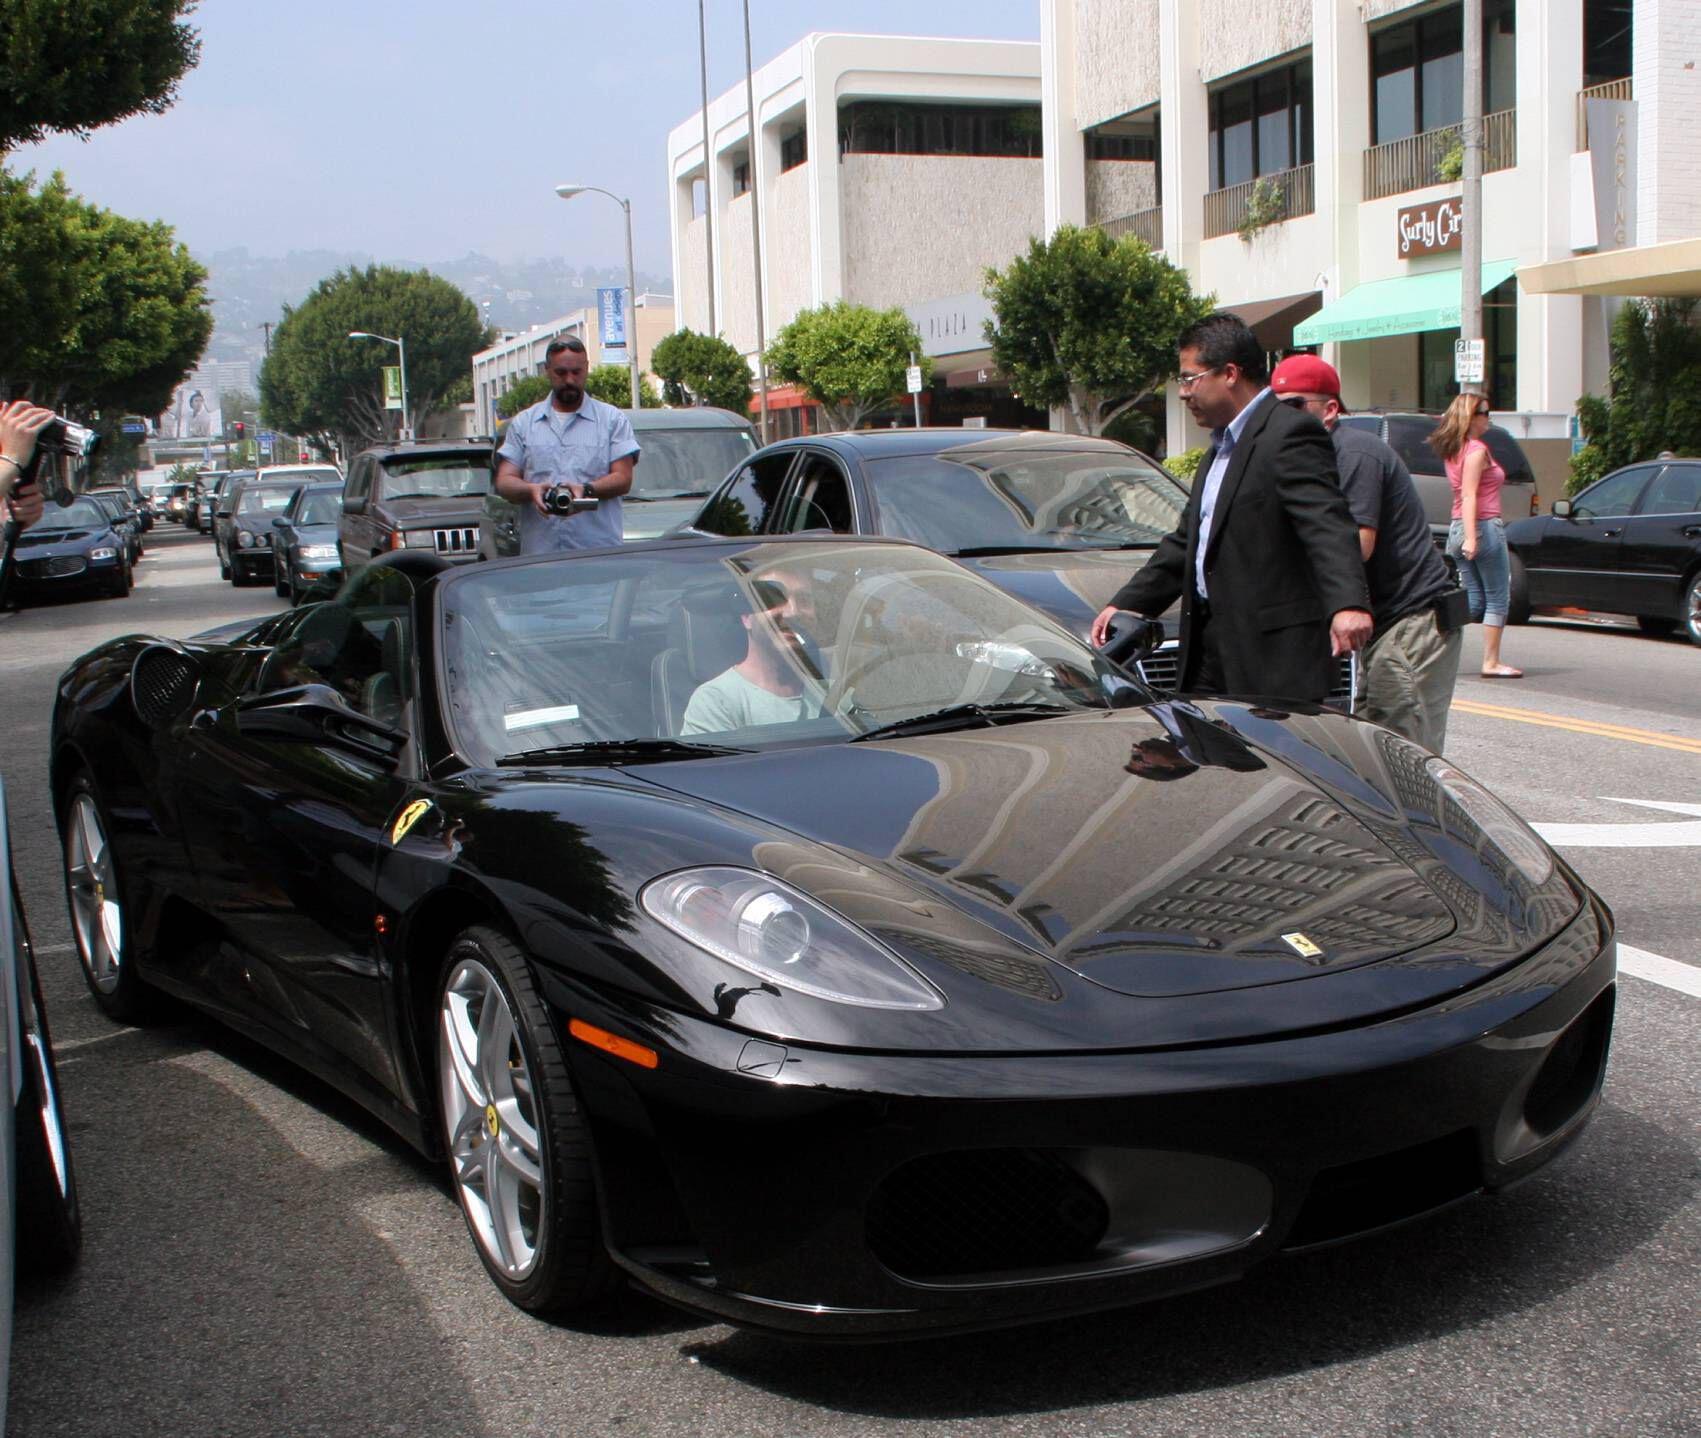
1266	558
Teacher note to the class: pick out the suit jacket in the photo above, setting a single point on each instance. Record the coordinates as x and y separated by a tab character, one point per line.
1282	559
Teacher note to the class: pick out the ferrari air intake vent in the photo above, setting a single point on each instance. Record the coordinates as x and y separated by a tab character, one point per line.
1377	1192
984	1211
163	684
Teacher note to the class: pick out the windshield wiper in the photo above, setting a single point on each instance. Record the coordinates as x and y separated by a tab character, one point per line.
619	751
962	716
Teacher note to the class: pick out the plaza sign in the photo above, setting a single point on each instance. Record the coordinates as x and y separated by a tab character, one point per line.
1432	229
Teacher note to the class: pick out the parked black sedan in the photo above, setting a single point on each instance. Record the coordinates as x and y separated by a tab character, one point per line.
304	540
71	550
242	528
824	939
1628	544
126	519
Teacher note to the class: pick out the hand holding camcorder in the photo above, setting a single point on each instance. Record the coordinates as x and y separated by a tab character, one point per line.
559	499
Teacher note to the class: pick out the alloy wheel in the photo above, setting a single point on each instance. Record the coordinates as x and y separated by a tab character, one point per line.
97	916
491	1118
1692	609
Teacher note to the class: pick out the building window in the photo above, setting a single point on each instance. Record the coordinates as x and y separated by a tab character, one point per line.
740	178
1261	126
1500	332
1124	140
1607	35
886	127
699	198
794	150
1418	70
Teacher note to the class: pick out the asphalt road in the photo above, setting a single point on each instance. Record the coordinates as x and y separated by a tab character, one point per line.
262	1259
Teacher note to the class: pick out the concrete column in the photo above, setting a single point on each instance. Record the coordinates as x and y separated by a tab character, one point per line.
1185	157
1341	95
1065	149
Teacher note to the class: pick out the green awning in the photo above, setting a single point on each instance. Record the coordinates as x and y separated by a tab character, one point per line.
1401	306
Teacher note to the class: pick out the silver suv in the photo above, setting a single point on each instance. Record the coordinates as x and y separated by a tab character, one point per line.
1408	436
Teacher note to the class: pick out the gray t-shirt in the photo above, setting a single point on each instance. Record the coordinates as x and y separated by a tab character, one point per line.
730	701
1406	571
547	447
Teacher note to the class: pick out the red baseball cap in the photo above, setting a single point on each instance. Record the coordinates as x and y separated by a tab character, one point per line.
1306	374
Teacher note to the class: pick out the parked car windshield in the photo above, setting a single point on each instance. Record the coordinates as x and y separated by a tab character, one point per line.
752	646
675	463
325	507
435	477
1060	500
84	513
265	499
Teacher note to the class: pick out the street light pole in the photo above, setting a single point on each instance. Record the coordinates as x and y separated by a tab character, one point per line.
567	192
756	226
402	363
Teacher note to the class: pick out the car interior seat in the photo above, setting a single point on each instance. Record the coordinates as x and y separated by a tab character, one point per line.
705	637
382	696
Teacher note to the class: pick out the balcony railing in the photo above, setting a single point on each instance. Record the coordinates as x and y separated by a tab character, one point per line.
1611	90
1240	207
1429	157
1147	225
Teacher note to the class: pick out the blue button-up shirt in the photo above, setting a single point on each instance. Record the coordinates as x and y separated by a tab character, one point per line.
548	447
1225	441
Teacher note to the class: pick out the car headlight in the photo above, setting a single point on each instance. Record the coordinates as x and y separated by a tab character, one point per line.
244	540
1504	829
769	929
104	552
420	539
319	551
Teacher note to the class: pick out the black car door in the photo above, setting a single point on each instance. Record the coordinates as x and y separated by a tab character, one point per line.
1577	561
1661	543
297	782
818	496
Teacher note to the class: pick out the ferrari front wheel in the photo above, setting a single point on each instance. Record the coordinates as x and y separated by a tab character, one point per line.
99	922
519	1151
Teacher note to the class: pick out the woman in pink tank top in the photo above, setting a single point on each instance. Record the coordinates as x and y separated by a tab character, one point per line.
1477	538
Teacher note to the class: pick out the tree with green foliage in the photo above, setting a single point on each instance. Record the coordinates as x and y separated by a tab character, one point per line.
320	383
71	67
522	394
698	369
1089	323
612	385
850	359
1655	405
97	311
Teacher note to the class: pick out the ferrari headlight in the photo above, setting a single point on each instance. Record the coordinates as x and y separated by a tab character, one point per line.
1504	829
319	551
771	930
103	552
244	539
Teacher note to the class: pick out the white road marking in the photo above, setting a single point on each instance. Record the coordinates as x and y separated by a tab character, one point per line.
1685	978
55	948
1630	836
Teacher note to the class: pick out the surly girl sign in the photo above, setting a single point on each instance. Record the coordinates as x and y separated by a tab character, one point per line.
1431	229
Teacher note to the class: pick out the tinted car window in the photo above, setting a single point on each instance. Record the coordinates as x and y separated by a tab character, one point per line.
324	506
1079	500
1507	454
83	513
1614	495
743	507
821	498
1409	438
434	477
678	462
1676	491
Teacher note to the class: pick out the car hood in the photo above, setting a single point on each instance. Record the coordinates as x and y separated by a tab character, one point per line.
643	518
48	543
1069	586
312	533
468	509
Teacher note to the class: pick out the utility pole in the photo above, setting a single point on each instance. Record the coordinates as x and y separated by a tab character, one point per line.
756	225
708	163
1470	266
266	325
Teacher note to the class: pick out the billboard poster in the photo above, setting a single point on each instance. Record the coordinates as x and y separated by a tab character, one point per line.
193	412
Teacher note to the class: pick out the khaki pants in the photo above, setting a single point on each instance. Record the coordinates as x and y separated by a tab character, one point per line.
1409	672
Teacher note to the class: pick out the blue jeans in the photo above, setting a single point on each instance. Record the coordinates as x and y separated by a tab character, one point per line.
1488	577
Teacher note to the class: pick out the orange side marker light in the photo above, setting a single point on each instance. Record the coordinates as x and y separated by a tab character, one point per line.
612	1043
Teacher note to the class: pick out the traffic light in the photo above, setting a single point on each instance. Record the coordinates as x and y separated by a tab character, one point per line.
241	431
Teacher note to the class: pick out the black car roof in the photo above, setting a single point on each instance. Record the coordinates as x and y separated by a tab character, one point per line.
901	443
700	417
423	448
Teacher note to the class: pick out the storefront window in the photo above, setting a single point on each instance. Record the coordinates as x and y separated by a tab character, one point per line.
1418	70
1500	330
885	127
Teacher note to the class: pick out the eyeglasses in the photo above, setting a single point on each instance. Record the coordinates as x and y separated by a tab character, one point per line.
1185	382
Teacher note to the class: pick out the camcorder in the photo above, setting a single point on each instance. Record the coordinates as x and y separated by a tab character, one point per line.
60	436
558	499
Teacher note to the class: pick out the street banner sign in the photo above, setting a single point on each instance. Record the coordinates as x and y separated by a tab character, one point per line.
392	386
611	316
1469	361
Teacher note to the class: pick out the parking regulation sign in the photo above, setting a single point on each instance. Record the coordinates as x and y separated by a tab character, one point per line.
1469	361
267	440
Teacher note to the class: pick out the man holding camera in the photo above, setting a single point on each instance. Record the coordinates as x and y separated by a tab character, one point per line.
20	423
570	442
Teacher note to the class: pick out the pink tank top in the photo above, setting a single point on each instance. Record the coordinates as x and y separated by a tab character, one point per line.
1488	486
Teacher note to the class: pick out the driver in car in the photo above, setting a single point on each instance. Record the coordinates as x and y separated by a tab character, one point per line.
774	682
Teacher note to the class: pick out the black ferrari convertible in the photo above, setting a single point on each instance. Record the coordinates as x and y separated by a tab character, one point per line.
813	933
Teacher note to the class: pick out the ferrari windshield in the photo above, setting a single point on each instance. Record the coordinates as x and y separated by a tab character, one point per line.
743	646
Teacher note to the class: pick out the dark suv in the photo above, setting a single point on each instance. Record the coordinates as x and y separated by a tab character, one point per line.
418	495
1408	436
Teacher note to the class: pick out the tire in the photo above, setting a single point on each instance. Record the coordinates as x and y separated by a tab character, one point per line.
50	1220
100	923
224	564
239	576
120	586
1518	604
1691	611
513	1130
280	582
1654	625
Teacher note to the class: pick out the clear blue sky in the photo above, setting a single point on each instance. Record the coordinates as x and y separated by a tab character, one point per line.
424	130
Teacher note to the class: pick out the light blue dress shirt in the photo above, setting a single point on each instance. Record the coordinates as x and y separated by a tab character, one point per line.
548	447
1214	481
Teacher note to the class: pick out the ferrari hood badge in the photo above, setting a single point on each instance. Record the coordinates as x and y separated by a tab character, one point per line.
1302	946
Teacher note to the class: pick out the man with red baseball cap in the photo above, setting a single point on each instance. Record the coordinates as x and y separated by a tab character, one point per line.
1412	661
